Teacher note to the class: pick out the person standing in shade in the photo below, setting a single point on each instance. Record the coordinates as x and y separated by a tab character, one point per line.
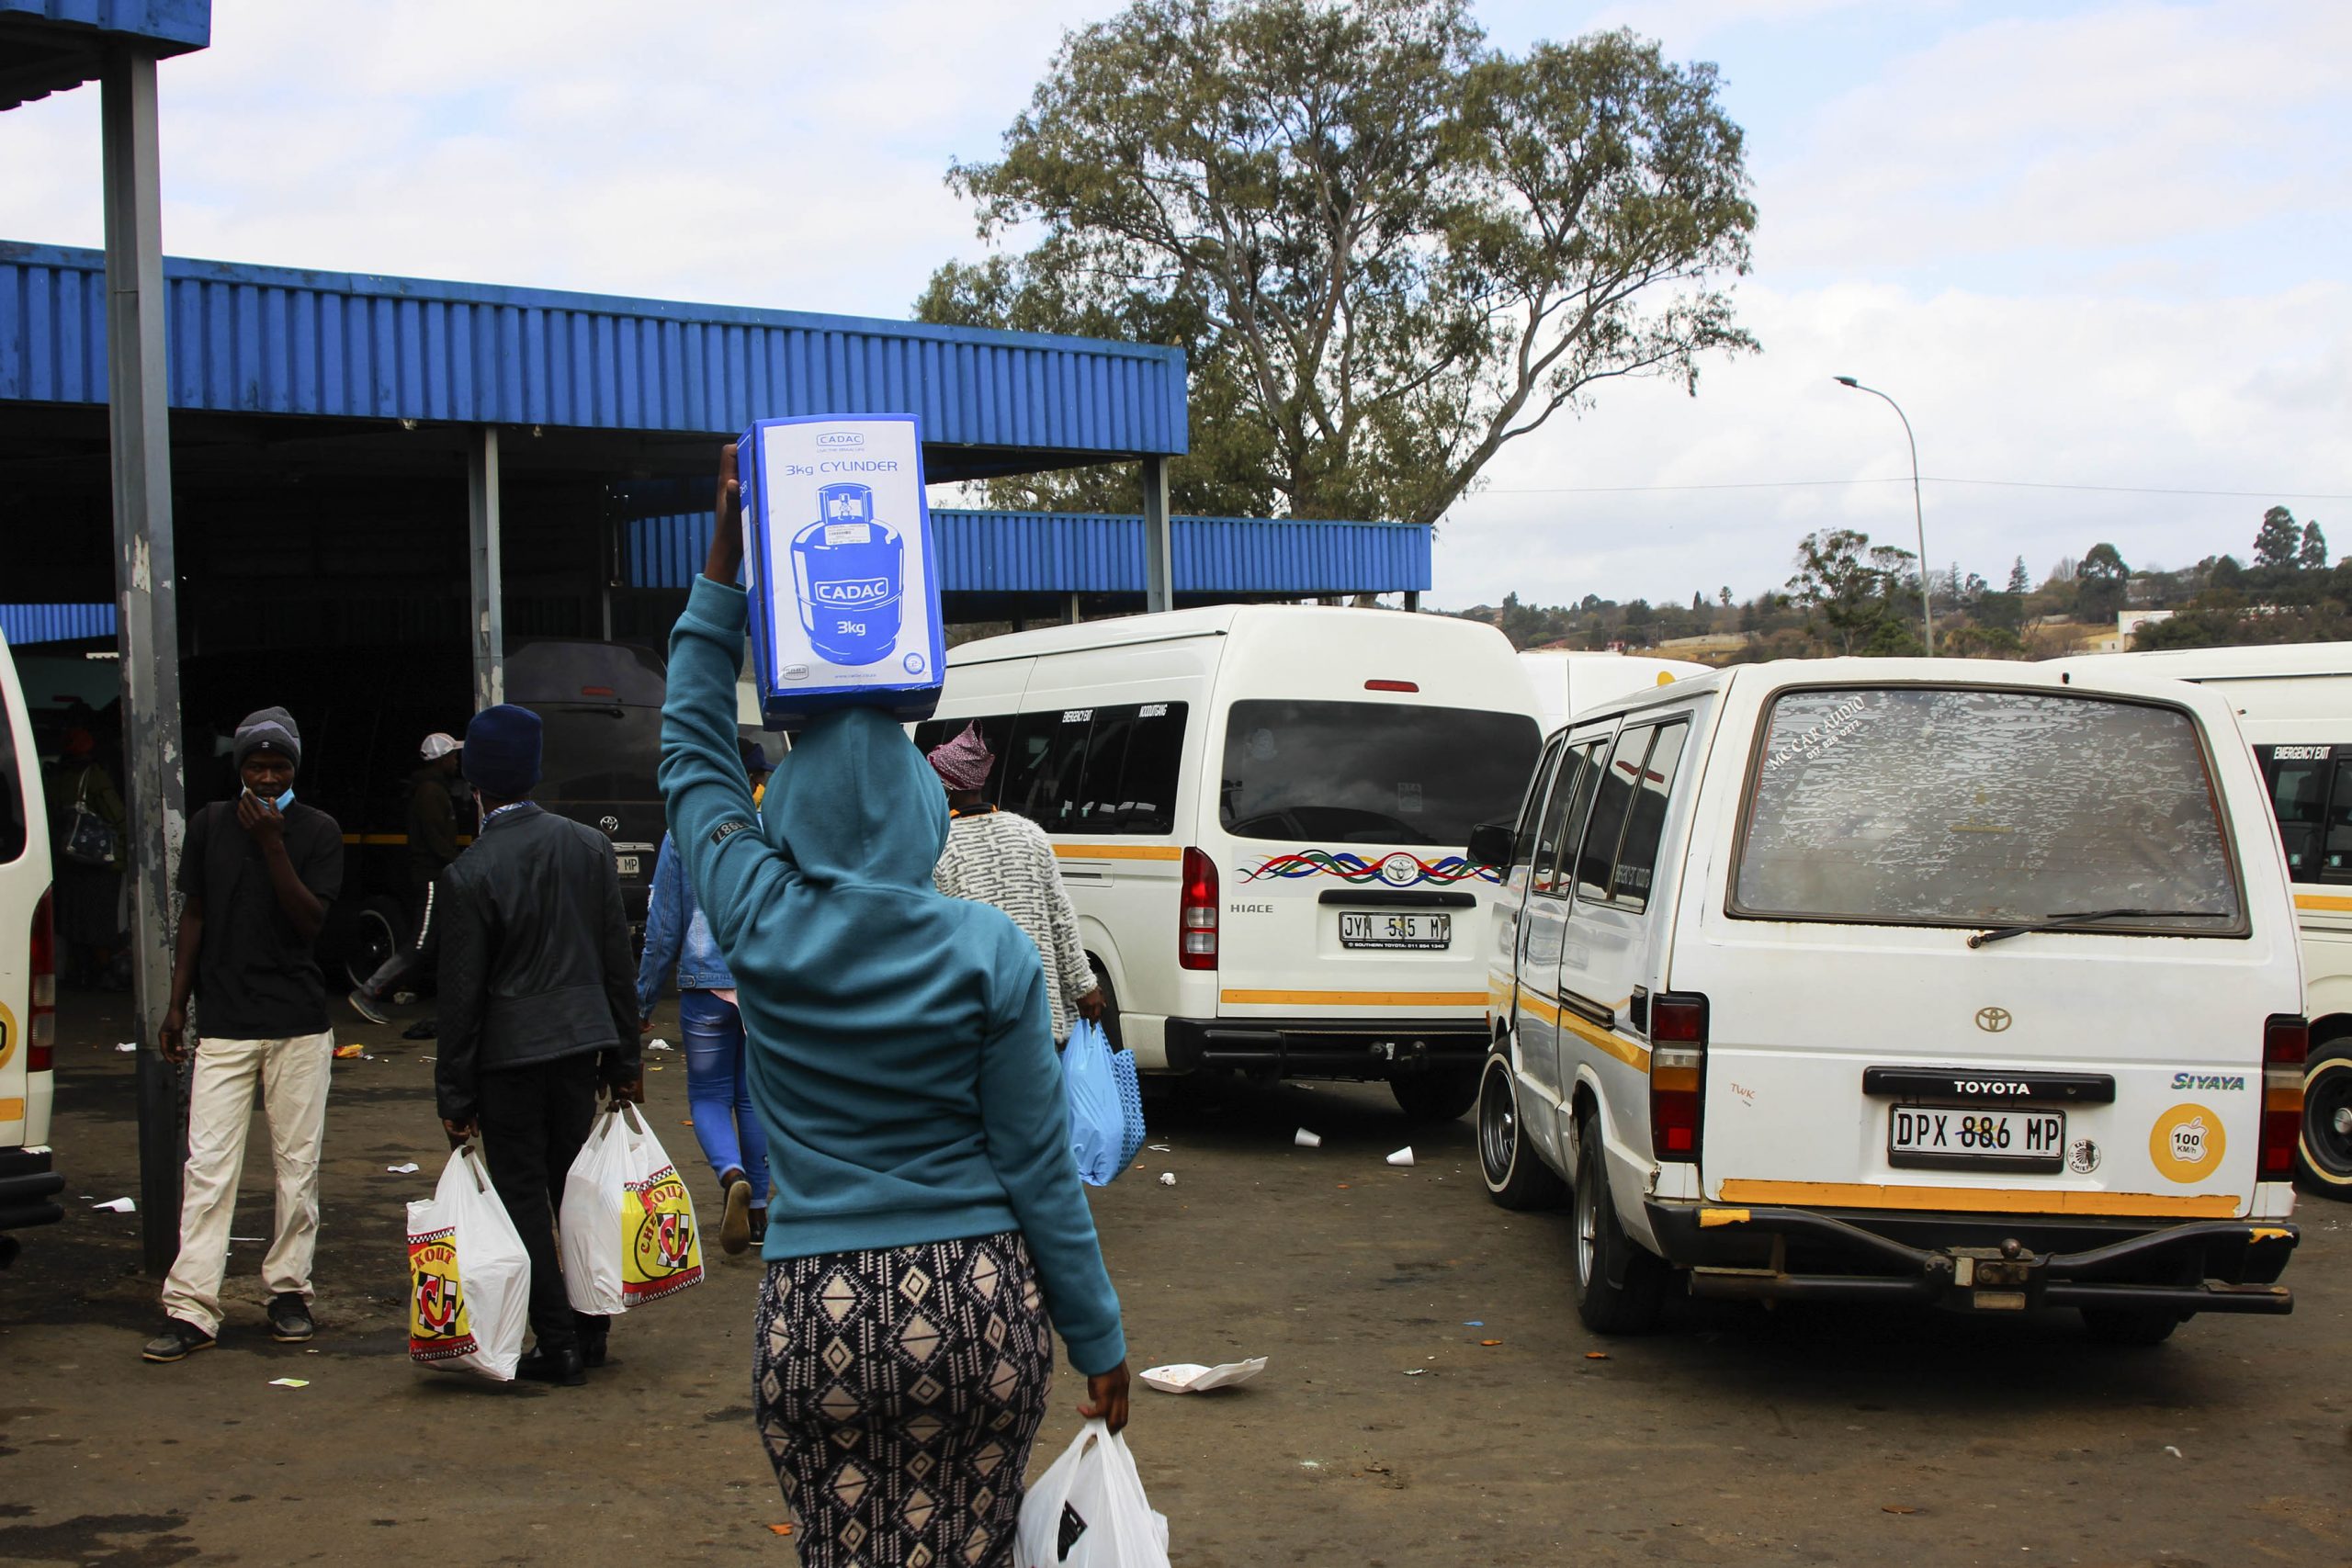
432	845
89	894
258	873
677	935
538	1010
929	1230
1003	858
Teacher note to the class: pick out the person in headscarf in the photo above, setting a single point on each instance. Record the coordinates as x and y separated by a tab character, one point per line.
258	873
928	1224
1000	858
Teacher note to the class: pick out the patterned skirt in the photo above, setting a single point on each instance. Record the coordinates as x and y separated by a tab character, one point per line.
899	1391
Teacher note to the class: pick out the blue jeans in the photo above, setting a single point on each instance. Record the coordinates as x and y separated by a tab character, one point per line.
719	1090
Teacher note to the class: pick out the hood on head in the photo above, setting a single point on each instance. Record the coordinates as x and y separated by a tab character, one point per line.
854	801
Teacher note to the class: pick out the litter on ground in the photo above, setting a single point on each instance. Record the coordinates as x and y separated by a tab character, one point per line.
1402	1156
119	1205
289	1383
401	1169
1307	1140
1168	1179
1191	1377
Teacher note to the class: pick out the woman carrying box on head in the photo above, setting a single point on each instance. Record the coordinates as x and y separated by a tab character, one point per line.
929	1225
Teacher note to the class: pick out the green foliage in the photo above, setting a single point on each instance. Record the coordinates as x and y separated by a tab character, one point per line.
1387	250
2279	542
2020	583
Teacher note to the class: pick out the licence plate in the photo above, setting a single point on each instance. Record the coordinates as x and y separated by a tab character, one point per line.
625	864
1935	1134
1396	931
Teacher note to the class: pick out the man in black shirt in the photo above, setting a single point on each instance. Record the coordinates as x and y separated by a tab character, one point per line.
258	873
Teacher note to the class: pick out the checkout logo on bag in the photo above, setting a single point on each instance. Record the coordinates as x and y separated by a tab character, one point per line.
659	1251
438	1327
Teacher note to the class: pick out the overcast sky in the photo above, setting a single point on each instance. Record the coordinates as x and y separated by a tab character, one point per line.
2084	245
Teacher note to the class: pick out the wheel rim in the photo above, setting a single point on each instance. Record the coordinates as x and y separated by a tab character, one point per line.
1497	1124
1588	1230
376	944
2327	1119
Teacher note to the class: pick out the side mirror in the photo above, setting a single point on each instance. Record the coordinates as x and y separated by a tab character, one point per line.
1490	844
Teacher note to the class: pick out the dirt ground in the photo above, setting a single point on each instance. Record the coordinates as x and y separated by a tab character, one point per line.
1733	1433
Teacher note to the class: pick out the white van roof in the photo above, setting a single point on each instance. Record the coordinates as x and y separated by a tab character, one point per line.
2268	661
1214	620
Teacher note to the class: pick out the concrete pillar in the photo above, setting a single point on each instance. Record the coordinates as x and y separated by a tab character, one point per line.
489	620
146	613
1159	546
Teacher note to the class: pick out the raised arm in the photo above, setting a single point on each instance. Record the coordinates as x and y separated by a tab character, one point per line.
712	824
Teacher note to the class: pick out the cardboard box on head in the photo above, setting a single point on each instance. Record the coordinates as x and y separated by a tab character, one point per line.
838	558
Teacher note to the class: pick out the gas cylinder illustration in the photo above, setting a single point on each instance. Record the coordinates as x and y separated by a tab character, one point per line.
847	567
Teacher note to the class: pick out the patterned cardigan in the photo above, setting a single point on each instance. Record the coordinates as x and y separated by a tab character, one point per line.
995	857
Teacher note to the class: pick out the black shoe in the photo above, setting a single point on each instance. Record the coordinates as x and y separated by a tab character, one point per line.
759	1224
564	1366
289	1318
365	1006
592	1351
176	1343
735	1224
422	1029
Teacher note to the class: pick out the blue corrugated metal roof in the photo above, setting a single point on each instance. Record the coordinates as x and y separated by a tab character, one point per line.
1057	552
49	46
22	623
270	339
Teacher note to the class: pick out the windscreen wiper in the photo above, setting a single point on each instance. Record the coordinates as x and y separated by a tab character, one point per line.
2079	917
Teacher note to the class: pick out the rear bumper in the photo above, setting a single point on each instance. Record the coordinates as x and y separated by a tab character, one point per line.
1326	1048
27	1184
1977	1262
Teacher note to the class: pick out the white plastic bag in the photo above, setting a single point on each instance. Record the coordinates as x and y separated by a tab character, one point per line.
627	1220
1089	1511
469	1280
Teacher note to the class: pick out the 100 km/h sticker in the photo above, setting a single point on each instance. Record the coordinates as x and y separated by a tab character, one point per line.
2186	1143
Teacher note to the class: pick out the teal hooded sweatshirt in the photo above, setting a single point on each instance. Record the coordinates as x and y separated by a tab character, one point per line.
899	1045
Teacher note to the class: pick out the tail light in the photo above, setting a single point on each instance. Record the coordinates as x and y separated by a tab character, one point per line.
1196	928
1678	1059
2285	1042
41	1028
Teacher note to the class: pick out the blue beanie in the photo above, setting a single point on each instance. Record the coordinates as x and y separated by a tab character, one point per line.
501	751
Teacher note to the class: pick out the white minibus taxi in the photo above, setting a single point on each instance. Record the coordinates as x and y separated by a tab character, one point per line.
1567	680
1260	813
28	977
1950	981
2294	704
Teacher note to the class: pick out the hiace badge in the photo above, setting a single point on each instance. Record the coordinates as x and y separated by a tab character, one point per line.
843	580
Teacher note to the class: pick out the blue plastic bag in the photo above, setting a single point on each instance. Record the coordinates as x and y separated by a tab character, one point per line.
1098	1123
1123	1068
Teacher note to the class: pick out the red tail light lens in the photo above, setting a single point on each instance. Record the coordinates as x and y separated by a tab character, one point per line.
1392	685
41	1028
1677	1063
1196	926
2286	1042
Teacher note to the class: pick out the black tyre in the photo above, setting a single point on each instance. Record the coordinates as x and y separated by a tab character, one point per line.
1619	1286
1515	1173
375	933
2129	1326
1439	1094
2323	1156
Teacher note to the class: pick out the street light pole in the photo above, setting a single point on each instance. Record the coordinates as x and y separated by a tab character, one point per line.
1918	516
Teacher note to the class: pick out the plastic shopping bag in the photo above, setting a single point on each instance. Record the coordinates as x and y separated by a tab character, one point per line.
1123	1073
1089	1511
1097	1125
627	1220
468	1277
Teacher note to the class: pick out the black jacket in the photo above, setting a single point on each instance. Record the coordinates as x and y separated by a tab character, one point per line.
534	956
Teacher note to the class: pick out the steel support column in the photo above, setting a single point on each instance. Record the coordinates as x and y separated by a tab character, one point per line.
146	614
489	616
1159	546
